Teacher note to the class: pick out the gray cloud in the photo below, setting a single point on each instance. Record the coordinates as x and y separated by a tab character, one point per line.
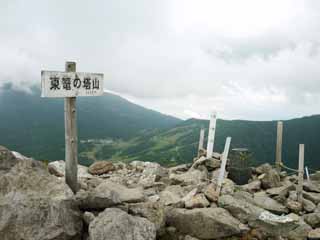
179	57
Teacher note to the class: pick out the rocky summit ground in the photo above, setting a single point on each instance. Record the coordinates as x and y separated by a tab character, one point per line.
145	201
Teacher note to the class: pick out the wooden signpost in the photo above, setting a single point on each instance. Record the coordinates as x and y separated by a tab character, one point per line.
211	134
279	146
201	141
300	173
69	85
223	165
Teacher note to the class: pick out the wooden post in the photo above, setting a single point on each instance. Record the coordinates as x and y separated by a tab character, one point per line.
211	134
71	137
201	140
307	173
223	165
300	176
279	146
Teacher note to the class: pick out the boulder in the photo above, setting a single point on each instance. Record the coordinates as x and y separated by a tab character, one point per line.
264	168
97	199
154	212
126	195
195	200
252	187
294	206
300	232
7	159
314	234
308	206
281	191
115	224
205	223
172	196
227	187
211	193
271	179
262	200
154	169
275	225
58	168
191	177
313	219
101	167
311	186
34	205
88	217
240	208
314	197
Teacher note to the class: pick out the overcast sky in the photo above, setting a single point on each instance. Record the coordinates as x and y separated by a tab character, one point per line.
246	59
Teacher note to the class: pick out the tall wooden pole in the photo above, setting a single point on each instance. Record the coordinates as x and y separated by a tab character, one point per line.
71	137
300	176
223	164
279	146
201	141
211	134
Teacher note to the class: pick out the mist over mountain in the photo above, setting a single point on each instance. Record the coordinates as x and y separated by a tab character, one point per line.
35	126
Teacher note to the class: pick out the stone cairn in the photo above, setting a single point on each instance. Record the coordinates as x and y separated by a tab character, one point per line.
145	201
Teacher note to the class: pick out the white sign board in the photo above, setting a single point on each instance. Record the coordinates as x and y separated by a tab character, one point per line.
57	84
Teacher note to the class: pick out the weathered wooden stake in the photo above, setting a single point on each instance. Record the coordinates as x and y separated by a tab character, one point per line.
300	176
307	173
211	134
279	146
201	141
71	137
223	165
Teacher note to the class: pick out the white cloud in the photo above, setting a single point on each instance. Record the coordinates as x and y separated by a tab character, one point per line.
247	59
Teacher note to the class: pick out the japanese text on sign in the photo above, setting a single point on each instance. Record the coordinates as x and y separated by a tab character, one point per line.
71	84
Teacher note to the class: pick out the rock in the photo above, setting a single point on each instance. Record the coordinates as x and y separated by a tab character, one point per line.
227	187
180	168
35	205
211	193
294	206
308	206
271	179
204	223
209	163
115	224
126	195
275	225
195	200
240	208
300	232
313	219
97	199
314	234
7	159
252	187
314	197
58	168
88	217
281	191
315	176
311	186
101	167
172	196
191	177
154	169
154	212
187	237
265	202
264	168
